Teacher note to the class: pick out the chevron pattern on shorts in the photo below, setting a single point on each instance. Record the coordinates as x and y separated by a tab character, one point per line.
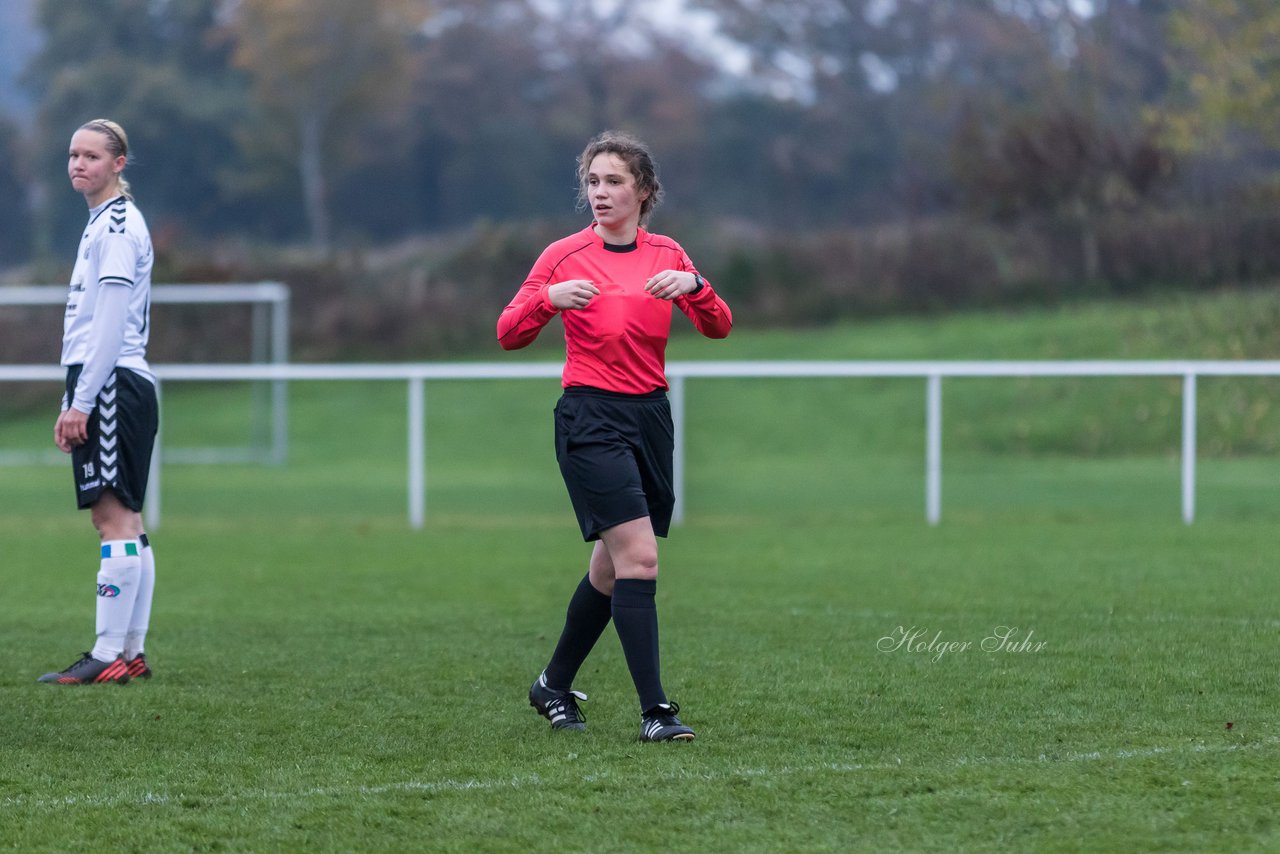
108	432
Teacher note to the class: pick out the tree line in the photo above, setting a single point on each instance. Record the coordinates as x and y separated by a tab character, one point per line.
937	151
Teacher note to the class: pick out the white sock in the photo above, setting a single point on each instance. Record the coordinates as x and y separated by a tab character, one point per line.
117	591
135	638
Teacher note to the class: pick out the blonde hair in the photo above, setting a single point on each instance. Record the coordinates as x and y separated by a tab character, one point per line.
117	145
632	152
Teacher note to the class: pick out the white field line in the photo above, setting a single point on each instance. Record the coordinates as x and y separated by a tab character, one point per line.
560	780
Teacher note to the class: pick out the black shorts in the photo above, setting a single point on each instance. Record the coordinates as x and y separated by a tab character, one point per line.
615	455
122	434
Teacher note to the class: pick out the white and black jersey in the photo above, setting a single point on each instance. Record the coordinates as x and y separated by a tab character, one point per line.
109	302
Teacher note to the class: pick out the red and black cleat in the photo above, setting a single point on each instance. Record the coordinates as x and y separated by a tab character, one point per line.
89	671
138	668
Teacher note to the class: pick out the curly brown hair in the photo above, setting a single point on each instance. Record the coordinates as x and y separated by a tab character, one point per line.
635	154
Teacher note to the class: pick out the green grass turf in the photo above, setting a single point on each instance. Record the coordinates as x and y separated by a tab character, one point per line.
329	686
329	680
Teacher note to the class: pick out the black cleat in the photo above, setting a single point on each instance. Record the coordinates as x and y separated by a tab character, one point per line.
138	668
661	724
559	707
89	671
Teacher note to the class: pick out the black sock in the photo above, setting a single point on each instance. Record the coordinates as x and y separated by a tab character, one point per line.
588	614
635	616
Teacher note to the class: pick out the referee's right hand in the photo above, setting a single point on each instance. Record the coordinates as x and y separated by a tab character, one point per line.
573	294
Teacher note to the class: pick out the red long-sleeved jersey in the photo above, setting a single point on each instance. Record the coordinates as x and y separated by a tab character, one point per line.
618	341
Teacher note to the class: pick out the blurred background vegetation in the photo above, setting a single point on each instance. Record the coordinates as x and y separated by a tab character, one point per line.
400	163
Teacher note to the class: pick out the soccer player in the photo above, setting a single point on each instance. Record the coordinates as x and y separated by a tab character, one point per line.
109	413
613	283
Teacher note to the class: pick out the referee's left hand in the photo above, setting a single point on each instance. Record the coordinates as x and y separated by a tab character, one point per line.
71	429
670	284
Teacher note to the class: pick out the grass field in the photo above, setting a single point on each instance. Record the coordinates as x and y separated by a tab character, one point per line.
328	679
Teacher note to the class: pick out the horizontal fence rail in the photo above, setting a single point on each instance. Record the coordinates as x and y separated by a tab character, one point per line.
222	292
416	374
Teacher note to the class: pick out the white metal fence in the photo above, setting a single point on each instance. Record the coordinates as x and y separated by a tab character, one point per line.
415	375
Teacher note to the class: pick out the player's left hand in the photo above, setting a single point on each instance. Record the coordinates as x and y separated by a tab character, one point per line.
71	430
670	284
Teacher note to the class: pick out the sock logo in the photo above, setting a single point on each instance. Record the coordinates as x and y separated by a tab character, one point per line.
108	591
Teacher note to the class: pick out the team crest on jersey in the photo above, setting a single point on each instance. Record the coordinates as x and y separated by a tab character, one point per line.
108	591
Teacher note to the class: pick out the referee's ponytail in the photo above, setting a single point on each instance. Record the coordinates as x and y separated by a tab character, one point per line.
117	144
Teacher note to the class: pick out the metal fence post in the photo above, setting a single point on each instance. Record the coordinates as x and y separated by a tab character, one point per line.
151	502
1188	448
280	388
417	453
933	449
677	456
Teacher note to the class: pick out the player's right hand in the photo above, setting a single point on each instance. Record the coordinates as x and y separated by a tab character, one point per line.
573	294
71	429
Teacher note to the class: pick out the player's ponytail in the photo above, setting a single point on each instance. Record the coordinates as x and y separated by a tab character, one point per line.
117	145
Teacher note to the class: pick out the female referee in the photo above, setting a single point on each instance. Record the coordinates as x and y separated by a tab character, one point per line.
109	413
614	284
